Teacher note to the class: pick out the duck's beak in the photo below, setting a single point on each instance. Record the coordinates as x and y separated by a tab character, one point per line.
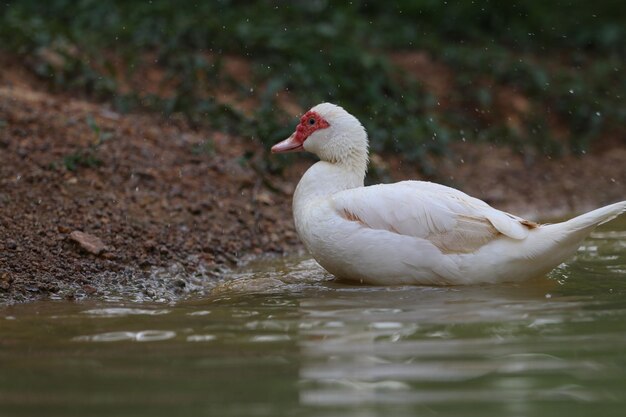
288	145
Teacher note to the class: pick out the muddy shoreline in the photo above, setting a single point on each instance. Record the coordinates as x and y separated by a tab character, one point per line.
170	207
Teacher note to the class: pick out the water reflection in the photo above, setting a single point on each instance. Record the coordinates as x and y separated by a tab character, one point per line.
358	351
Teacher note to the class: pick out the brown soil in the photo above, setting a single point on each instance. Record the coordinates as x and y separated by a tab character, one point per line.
172	206
156	192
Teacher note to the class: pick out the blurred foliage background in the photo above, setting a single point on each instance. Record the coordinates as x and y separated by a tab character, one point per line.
543	76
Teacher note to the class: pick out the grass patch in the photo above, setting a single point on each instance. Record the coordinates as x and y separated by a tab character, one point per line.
88	156
206	147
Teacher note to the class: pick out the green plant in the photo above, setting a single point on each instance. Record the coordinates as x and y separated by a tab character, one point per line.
206	147
88	157
82	158
319	51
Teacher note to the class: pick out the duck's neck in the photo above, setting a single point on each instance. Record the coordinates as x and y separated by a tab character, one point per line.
326	178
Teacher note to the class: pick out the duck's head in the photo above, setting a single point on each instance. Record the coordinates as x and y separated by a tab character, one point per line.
331	133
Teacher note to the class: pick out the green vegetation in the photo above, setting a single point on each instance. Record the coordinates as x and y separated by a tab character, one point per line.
563	62
206	147
88	157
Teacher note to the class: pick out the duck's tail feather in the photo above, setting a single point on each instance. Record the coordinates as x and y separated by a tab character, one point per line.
596	217
573	231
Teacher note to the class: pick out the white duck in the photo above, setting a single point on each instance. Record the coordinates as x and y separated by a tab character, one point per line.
412	232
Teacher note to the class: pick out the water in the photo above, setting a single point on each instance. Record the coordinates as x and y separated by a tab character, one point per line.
285	340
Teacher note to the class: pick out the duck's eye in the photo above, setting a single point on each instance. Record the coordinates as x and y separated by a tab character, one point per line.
311	121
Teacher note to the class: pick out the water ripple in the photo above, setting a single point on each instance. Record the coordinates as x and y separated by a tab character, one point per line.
141	336
123	311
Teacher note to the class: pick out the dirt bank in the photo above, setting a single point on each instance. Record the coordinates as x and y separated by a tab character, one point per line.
154	192
167	207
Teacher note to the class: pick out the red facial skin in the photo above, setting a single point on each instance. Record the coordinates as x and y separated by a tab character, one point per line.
309	123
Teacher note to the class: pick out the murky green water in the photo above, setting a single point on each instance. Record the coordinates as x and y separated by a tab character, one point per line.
295	344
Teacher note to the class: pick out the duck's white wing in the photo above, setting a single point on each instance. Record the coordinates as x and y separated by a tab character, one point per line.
452	220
